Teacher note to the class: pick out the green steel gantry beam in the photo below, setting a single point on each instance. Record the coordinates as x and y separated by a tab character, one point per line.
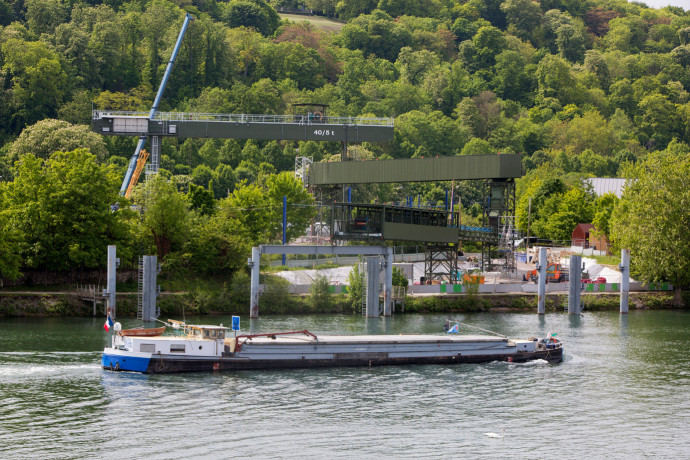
309	127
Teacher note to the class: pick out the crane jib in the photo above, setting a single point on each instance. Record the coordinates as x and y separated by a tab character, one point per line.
142	140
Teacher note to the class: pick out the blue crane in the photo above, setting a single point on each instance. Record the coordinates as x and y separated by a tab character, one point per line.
142	140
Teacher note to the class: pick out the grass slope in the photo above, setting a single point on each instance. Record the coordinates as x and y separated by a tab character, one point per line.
318	21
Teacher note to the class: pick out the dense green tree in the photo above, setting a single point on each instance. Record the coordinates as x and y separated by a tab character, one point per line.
388	99
355	290
524	17
189	153
555	79
375	34
327	7
129	101
220	63
252	13
622	96
10	11
113	42
491	11
166	218
603	210
465	28
263	97
348	9
684	35
246	172
73	43
662	38
291	60
488	42
214	100
596	165
78	110
319	293
38	81
43	16
61	209
467	113
273	154
49	136
589	131
160	18
209	153
247	214
513	80
10	259
223	181
570	42
438	133
596	64
659	121
211	249
300	211
626	34
201	200
420	8
202	175
251	153
652	219
539	191
564	212
413	65
230	153
477	146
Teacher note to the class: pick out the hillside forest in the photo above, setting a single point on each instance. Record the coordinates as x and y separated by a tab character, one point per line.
579	88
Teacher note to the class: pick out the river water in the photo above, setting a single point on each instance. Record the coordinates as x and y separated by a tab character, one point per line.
623	391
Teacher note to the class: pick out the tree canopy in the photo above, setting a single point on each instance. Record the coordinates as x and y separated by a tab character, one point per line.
652	218
579	88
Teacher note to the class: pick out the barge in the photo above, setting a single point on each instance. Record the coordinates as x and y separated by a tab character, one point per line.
211	348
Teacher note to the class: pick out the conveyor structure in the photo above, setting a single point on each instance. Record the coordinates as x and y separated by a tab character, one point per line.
377	222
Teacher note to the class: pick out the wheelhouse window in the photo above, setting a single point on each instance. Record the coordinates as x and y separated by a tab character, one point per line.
214	334
176	348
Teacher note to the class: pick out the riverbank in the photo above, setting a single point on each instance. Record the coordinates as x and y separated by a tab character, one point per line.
202	302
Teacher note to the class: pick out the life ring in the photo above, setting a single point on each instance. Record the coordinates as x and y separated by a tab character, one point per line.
318	116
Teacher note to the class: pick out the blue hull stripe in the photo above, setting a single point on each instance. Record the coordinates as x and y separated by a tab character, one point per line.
125	363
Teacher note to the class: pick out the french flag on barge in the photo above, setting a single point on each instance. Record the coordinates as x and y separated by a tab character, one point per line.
108	323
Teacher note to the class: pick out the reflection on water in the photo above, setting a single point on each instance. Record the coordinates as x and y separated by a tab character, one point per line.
622	392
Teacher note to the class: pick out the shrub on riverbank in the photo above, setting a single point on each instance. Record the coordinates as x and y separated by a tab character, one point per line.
275	300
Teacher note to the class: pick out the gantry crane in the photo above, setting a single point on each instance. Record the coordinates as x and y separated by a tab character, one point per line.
133	163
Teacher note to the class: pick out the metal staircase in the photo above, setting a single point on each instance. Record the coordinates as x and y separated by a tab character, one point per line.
154	165
365	284
140	294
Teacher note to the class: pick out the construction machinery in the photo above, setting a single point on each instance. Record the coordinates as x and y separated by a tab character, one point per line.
141	162
134	162
555	273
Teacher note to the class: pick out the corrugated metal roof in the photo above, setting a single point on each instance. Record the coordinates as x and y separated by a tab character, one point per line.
465	167
604	185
